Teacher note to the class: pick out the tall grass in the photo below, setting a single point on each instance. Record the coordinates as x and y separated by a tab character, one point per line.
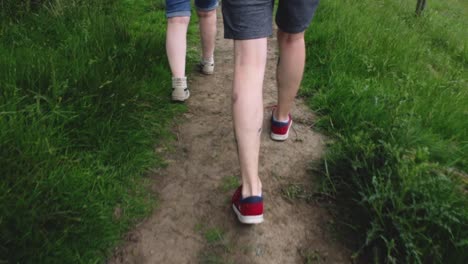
84	96
391	89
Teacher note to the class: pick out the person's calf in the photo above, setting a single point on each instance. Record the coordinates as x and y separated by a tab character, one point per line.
207	33
250	60
289	73
176	44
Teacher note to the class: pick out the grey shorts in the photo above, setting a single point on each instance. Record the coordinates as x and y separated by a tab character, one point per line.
251	19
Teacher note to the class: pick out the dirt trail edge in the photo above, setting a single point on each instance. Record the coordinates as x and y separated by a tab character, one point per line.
195	223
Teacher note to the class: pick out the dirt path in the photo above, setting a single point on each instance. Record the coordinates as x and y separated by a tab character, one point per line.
195	223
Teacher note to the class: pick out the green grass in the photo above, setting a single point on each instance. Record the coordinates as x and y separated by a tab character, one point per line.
296	191
84	98
217	247
229	183
311	256
391	89
213	235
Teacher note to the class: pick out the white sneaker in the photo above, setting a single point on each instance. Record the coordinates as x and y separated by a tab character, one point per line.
206	66
180	91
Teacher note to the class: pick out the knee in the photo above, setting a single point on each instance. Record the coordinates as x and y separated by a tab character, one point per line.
179	20
206	14
290	38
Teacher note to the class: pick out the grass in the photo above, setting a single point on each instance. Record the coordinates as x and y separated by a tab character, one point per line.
391	91
296	191
229	183
213	235
310	256
217	247
84	97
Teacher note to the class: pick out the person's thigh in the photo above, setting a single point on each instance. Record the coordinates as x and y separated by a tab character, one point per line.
247	19
177	8
294	16
206	5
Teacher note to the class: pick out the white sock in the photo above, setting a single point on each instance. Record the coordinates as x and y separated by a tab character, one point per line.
179	82
209	60
281	121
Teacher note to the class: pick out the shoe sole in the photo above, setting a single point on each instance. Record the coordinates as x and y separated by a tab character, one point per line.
278	137
250	220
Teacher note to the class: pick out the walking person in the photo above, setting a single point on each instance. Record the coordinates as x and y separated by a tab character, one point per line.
249	23
178	18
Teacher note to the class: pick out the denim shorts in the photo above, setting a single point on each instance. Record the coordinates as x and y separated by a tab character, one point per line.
178	8
251	19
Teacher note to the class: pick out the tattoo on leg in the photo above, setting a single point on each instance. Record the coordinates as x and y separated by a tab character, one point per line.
259	130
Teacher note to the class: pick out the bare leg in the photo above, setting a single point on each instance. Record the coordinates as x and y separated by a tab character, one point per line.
289	71
249	70
207	32
176	44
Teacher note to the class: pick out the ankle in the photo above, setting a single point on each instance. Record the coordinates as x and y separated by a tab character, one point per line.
278	116
207	60
179	82
249	190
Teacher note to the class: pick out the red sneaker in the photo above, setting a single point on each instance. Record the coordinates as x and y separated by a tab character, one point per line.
248	210
280	130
